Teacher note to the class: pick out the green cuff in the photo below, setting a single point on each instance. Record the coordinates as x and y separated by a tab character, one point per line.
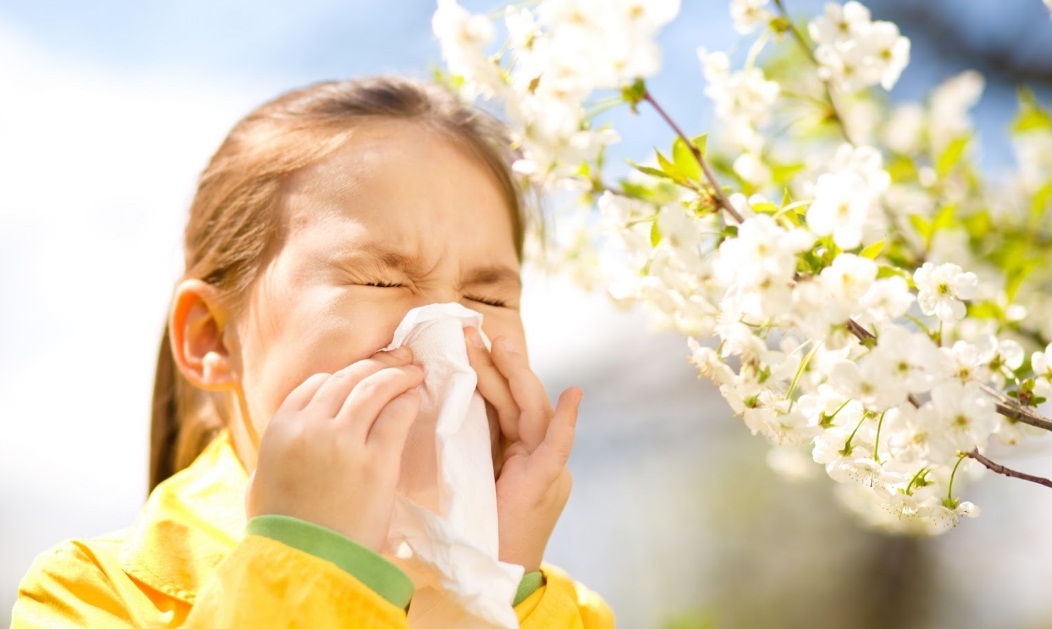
380	575
531	582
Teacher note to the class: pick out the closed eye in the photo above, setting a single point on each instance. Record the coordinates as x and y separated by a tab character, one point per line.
496	303
382	284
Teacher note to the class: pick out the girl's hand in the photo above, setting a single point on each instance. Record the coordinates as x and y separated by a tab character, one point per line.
533	483
332	453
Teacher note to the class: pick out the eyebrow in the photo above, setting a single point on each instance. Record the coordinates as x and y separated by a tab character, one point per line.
383	258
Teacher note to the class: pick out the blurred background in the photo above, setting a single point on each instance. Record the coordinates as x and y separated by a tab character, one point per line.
108	110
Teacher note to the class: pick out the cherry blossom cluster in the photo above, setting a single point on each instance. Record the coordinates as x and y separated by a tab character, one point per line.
860	295
556	55
855	52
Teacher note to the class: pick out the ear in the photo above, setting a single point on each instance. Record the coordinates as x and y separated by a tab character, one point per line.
195	330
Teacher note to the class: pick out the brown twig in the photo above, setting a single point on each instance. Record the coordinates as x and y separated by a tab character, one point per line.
1005	406
1000	469
1023	416
799	37
717	192
861	333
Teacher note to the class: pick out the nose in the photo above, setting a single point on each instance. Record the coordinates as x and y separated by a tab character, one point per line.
436	295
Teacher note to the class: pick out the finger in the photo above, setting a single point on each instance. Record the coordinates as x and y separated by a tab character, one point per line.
368	399
300	397
535	410
554	451
391	428
330	398
492	385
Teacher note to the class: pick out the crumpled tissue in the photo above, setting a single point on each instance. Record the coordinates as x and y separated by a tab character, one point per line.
443	530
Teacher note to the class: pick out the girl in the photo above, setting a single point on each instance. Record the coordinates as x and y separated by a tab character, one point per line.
278	424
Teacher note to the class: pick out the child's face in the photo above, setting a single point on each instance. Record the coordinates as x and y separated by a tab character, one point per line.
397	218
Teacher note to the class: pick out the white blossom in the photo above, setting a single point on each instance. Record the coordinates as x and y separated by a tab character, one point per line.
849	276
758	266
742	99
748	15
463	38
942	289
910	432
868	382
782	291
752	169
971	361
840	209
904	130
888	298
966	415
847	197
1033	154
855	52
949	104
1041	362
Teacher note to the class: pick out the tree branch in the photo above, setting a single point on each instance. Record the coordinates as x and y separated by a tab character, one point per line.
1000	469
1004	406
799	37
1007	407
709	175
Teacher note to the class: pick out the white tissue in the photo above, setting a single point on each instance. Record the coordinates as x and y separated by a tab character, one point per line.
444	527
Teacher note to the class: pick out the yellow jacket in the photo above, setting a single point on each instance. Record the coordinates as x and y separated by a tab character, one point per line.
186	562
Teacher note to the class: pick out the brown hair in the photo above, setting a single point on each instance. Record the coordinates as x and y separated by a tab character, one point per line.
235	215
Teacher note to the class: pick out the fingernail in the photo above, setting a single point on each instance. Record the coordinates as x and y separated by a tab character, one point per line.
506	345
402	352
474	337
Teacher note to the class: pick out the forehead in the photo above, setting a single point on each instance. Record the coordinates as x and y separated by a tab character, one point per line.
406	183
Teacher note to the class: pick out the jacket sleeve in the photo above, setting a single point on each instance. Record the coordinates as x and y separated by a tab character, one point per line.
562	602
265	582
261	583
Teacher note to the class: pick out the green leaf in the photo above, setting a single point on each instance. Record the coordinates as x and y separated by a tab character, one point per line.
700	142
886	270
952	155
985	310
1031	116
655	234
902	169
943	218
1014	278
873	250
1033	120
922	226
685	161
1039	206
647	170
670	169
978	225
634	94
783	173
765	207
635	190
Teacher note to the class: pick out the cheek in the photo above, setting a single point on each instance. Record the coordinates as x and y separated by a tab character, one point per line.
318	333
